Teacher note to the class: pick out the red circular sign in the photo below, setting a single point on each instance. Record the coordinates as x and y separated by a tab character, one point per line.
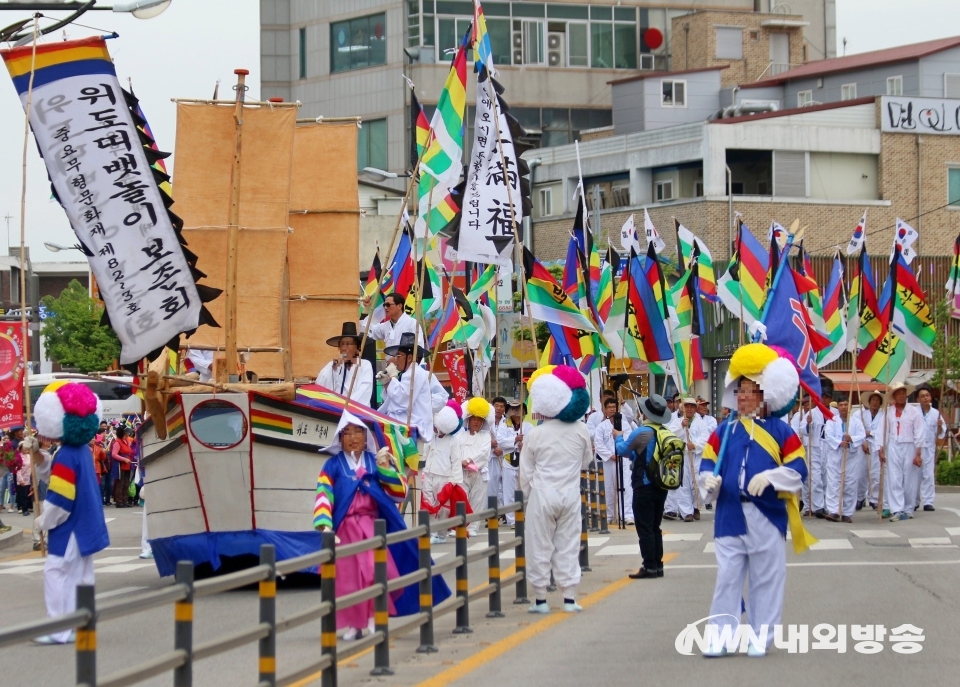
653	38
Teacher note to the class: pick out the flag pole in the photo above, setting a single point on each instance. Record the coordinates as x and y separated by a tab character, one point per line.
24	331
516	231
446	301
743	323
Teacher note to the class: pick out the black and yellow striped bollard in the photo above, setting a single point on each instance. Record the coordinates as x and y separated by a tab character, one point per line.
426	586
463	578
328	624
86	641
268	615
381	603
519	531
183	626
493	562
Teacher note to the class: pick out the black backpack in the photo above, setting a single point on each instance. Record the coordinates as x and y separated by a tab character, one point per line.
665	468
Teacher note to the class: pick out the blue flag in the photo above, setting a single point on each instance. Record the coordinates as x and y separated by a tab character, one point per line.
788	326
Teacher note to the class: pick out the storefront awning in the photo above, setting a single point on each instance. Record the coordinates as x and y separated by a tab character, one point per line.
843	381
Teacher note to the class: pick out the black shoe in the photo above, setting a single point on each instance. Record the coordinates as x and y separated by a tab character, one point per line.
696	513
643	574
688	518
670	515
709	506
859	505
832	517
916	508
821	514
660	571
847	519
929	508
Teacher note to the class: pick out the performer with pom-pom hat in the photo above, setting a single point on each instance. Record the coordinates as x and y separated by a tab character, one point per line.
443	468
753	467
552	457
73	509
475	443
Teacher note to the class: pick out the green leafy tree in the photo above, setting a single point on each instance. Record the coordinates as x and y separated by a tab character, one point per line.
74	336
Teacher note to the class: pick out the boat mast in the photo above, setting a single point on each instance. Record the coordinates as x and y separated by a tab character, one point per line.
229	370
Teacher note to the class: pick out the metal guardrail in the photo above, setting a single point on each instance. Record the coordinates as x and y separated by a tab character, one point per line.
184	591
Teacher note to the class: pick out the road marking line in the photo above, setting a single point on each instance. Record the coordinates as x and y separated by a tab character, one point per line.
597	541
952	510
123	548
876	534
831	545
113	559
21	571
929	542
953	531
118	592
619	550
710	548
481	658
123	567
689	536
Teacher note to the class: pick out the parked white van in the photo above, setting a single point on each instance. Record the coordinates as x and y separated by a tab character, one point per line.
115	393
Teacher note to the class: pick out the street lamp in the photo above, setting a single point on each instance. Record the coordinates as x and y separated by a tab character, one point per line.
14	33
56	247
383	174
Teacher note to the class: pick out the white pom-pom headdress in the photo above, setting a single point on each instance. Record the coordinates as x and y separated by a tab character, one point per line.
559	391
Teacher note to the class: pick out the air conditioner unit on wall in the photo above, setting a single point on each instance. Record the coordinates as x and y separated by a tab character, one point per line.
517	46
556	49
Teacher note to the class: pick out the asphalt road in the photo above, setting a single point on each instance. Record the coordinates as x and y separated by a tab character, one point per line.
866	573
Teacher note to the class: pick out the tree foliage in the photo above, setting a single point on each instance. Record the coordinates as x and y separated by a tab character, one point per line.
73	333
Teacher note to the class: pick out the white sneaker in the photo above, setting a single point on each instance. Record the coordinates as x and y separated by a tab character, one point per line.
716	652
754	651
437	539
147	555
351	634
538	608
629	521
572	608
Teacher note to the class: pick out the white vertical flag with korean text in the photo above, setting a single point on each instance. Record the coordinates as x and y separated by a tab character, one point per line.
486	223
102	178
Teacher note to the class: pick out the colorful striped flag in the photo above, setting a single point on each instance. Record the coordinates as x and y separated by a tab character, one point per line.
863	313
605	287
445	325
911	318
548	301
613	325
685	320
420	125
645	326
400	274
688	243
482	51
884	356
742	288
810	290
835	319
441	162
483	283
953	283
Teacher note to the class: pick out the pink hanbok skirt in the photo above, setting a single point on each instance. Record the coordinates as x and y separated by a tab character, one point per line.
356	572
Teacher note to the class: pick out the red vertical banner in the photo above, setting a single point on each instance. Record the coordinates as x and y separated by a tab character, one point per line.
11	374
457	369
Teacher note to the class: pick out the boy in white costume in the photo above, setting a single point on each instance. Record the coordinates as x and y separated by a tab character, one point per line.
475	442
753	467
443	467
872	420
554	453
842	441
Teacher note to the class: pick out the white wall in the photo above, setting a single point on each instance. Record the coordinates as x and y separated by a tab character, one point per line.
840	176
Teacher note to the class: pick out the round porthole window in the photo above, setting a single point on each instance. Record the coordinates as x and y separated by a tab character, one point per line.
218	424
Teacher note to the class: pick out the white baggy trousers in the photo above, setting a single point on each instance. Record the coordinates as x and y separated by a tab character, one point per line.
553	540
760	556
61	576
850	472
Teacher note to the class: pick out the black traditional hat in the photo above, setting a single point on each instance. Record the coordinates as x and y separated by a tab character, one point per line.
406	345
349	332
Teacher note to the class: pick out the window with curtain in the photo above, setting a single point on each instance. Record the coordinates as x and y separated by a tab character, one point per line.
953	186
358	43
601	45
372	144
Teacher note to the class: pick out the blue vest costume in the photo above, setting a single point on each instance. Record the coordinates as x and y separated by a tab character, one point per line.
405	554
73	487
748	457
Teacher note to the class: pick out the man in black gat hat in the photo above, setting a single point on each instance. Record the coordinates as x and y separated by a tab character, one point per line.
338	373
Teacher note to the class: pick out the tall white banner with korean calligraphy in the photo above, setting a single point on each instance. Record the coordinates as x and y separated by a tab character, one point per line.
486	229
101	175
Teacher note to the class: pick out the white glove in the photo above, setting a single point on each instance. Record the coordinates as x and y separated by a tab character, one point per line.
29	445
392	371
712	483
36	524
758	484
384	456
